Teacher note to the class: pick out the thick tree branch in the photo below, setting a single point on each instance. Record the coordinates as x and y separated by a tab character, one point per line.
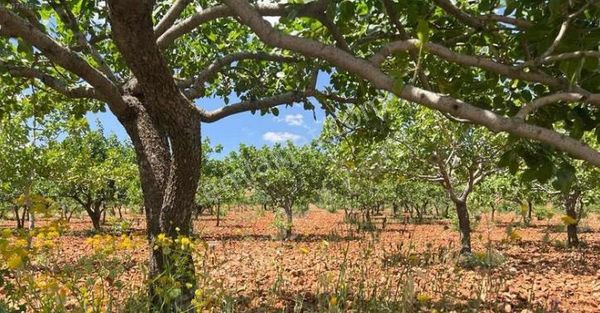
468	60
12	25
571	55
53	82
310	9
368	71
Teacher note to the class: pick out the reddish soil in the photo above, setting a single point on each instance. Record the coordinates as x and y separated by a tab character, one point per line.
263	274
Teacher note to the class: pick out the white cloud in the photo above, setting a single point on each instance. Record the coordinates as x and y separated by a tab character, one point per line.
272	19
280	137
294	119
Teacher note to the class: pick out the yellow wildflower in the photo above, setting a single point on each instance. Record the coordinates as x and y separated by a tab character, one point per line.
14	261
333	301
568	220
6	233
304	250
423	297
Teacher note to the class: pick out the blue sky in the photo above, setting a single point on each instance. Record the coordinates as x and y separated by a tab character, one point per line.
293	123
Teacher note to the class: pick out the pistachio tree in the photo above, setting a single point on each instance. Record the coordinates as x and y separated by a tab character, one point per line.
218	186
89	168
289	175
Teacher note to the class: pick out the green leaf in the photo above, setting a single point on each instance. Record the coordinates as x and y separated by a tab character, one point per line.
398	86
423	31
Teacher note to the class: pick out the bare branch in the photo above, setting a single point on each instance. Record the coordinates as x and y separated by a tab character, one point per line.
431	178
27	13
244	106
561	33
335	32
170	17
196	85
446	181
523	24
53	82
479	22
12	25
543	101
571	55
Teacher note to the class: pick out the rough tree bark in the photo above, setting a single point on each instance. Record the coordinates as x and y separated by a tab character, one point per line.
94	211
464	225
165	130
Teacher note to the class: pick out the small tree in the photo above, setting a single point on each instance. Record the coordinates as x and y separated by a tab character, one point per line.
88	167
217	184
420	144
289	175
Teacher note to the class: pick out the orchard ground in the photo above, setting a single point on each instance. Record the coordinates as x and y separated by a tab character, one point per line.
328	261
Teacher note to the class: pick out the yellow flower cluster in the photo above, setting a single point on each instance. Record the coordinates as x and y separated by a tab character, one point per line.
423	297
167	244
50	286
37	203
13	252
107	244
567	220
45	237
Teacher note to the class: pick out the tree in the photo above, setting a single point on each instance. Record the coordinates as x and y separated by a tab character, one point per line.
504	68
24	136
421	144
290	176
217	185
89	168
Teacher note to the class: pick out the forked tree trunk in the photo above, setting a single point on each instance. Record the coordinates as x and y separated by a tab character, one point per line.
464	225
94	211
169	177
164	127
20	218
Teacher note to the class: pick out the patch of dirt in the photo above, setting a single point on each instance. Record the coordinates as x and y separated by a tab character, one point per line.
264	274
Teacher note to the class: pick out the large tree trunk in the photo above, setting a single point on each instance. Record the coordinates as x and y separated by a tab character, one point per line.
464	225
169	183
164	127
